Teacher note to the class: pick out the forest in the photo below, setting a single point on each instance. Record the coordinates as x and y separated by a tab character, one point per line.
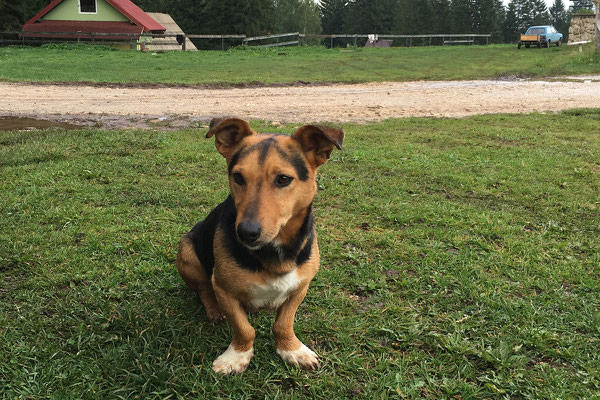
258	17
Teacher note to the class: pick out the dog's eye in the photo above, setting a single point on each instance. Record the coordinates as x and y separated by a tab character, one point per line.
283	180
238	178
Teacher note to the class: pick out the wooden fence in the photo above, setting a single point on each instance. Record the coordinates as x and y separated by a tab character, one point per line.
281	39
277	37
444	38
33	38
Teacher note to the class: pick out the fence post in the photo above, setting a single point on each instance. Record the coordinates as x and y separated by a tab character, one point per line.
331	42
183	45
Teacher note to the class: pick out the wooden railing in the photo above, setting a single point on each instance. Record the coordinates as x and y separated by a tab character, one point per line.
296	38
445	37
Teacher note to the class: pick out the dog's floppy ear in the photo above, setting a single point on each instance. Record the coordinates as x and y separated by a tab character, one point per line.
228	132
318	142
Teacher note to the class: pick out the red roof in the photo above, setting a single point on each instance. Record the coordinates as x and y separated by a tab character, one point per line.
125	7
69	28
136	14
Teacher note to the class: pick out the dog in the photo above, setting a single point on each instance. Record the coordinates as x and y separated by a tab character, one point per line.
258	249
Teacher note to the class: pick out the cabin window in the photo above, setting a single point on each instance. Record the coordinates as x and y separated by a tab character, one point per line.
87	6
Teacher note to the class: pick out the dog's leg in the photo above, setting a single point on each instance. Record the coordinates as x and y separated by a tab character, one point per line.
195	277
288	346
236	358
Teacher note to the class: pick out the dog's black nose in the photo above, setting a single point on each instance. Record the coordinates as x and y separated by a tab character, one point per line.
248	231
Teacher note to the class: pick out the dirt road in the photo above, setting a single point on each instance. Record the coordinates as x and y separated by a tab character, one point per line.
131	106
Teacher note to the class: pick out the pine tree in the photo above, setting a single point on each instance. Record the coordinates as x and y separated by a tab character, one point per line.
297	16
333	13
14	13
461	16
11	15
249	17
488	17
440	10
414	17
500	13
538	12
581	5
557	13
510	28
528	13
189	14
370	16
559	18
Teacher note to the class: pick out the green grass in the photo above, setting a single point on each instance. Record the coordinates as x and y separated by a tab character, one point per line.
309	64
460	259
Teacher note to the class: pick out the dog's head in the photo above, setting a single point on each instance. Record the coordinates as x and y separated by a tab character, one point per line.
272	176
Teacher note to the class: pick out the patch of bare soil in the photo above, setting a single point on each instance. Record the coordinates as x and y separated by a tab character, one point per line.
163	107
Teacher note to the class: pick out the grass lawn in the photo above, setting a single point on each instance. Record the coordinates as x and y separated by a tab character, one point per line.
285	65
460	259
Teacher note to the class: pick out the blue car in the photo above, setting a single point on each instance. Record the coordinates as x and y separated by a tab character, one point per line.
542	35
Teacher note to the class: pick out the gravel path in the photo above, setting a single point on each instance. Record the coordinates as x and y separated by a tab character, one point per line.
112	106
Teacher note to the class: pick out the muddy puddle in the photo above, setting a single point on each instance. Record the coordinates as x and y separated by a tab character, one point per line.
24	123
32	121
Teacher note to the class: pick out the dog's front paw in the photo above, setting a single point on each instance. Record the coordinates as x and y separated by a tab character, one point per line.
304	357
232	361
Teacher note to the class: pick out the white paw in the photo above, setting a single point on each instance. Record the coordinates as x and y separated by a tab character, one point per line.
303	357
232	361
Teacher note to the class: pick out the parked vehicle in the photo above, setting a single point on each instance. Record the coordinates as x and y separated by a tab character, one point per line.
543	35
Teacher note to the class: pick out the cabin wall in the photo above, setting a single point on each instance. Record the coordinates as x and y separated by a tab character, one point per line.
68	10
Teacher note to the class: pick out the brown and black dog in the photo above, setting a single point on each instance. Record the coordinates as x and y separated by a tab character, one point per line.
258	249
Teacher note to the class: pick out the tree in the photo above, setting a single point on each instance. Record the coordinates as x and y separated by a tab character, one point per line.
11	15
333	13
581	5
440	10
370	16
538	12
499	17
189	14
522	14
461	16
297	16
414	17
510	29
559	18
249	17
488	17
228	17
14	13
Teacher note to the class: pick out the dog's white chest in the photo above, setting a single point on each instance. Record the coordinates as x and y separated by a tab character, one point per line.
274	292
